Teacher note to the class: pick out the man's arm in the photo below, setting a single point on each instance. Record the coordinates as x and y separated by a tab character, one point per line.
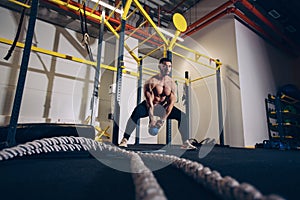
170	104
149	95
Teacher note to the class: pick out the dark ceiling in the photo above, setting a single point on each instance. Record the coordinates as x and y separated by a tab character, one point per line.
282	14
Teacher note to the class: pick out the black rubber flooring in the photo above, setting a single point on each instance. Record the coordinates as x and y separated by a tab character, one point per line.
77	175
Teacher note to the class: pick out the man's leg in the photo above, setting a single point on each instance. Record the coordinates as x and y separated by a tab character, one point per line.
183	127
182	122
140	111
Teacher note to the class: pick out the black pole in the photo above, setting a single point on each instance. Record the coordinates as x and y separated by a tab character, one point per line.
169	122
115	137
139	99
95	96
187	102
11	136
220	108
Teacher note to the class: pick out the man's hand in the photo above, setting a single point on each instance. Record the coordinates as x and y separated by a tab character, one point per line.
154	127
152	123
159	123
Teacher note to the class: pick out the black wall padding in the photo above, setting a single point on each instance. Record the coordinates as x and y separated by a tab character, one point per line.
34	131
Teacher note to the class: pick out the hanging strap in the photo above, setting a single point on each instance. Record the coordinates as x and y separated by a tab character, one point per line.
11	49
85	34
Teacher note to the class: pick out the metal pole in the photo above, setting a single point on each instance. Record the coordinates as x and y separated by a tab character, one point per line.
11	136
115	137
139	99
95	97
220	108
187	102
169	122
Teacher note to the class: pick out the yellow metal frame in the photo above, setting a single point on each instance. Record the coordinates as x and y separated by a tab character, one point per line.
151	52
148	18
203	77
168	45
141	43
193	60
135	30
150	70
110	15
65	56
20	3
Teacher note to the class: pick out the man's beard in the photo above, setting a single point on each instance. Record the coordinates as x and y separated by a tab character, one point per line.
165	72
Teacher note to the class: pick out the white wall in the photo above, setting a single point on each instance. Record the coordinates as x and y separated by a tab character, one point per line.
252	68
262	69
218	39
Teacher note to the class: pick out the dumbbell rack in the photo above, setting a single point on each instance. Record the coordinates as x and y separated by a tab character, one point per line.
283	118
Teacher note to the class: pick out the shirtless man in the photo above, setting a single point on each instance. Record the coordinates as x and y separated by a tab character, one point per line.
159	92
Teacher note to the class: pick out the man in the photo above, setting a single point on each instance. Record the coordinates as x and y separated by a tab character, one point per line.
159	92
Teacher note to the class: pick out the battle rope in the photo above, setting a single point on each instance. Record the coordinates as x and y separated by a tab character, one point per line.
146	185
223	187
144	180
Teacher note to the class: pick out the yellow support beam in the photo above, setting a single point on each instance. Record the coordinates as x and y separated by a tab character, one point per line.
135	57
110	15
126	9
151	70
193	60
95	6
48	52
65	56
135	30
148	18
141	43
203	77
173	41
132	13
149	53
197	54
149	73
109	26
180	79
19	3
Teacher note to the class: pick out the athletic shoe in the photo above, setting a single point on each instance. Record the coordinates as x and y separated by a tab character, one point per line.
123	143
188	146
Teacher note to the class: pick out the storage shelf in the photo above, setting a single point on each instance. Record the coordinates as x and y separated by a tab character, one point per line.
283	117
286	113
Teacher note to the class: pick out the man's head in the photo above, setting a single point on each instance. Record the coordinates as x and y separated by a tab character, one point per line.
165	66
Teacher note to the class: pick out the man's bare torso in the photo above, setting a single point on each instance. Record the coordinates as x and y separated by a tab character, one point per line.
161	88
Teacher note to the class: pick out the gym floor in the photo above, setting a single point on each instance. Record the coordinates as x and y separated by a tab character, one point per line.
82	175
78	175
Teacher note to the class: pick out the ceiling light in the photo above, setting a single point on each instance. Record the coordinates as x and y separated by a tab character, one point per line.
169	34
164	24
274	14
106	5
291	29
160	3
